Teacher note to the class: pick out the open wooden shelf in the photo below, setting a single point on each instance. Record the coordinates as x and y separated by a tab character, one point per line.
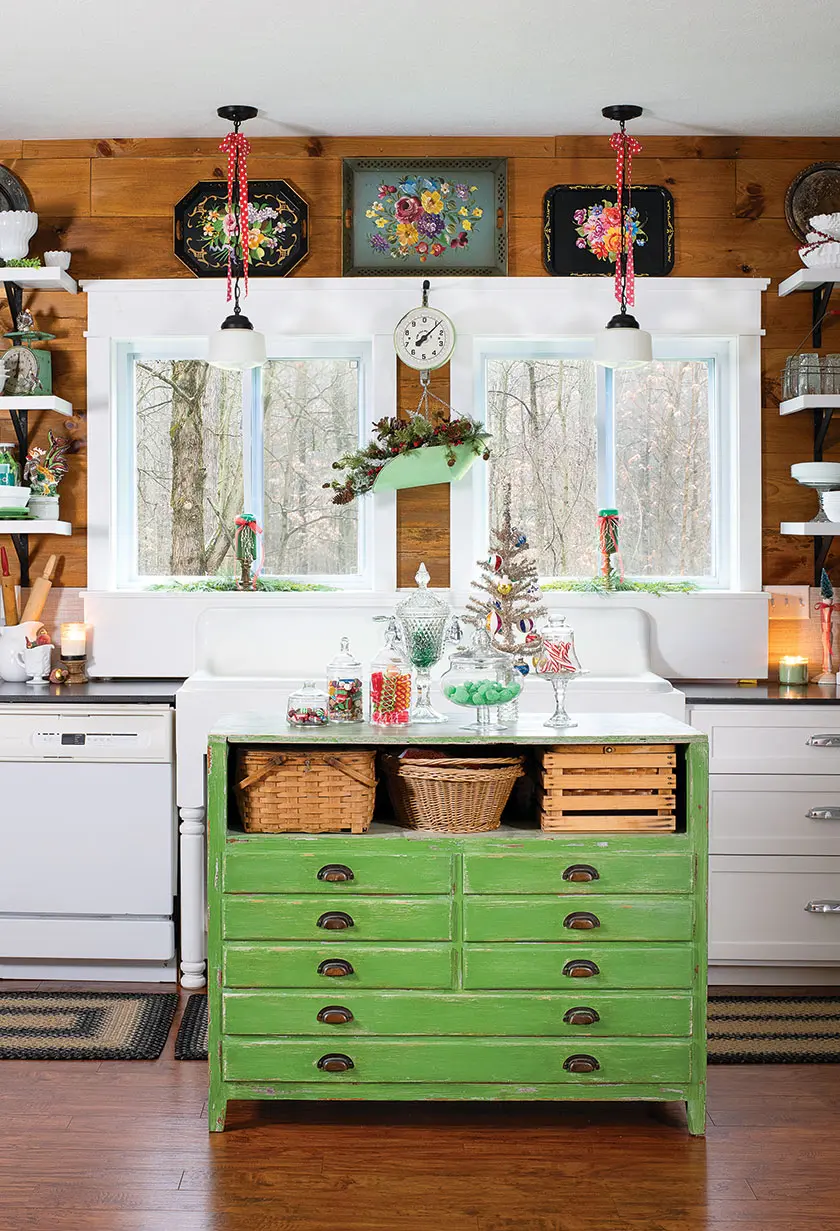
36	526
810	279
50	402
39	278
817	529
805	401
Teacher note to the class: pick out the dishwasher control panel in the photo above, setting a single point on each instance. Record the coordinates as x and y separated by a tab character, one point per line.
97	735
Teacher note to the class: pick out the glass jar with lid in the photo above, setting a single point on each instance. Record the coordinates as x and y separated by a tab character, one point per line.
344	686
480	678
390	683
558	663
424	620
308	706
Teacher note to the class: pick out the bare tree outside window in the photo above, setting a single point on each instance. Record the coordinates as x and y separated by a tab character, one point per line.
188	431
541	413
664	468
311	417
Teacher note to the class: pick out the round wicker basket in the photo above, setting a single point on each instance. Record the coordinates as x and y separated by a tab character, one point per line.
455	794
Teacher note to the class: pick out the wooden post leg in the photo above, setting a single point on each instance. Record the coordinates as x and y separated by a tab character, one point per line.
216	1108
192	898
695	1110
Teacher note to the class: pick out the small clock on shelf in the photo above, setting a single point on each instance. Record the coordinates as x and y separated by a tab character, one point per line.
425	337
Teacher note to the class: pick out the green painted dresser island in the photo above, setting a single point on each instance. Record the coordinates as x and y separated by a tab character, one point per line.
512	964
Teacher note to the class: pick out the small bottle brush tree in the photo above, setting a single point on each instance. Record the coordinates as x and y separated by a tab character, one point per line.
507	599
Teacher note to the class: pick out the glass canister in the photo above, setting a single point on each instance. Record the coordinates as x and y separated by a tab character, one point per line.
390	683
479	678
424	620
344	686
9	468
558	663
308	706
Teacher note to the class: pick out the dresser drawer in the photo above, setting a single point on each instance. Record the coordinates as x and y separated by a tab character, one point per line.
279	864
357	1013
565	917
308	965
757	909
440	1060
752	814
323	918
747	739
583	867
586	966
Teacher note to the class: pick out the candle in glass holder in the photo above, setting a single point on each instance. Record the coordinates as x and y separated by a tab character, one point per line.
793	670
73	640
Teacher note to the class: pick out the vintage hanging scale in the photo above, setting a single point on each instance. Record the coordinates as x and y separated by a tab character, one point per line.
425	337
28	371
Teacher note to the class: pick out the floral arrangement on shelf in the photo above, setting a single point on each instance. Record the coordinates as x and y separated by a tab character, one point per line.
45	468
396	436
423	215
264	231
22	262
599	229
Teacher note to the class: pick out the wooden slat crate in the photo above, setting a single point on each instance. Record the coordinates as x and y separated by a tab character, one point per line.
605	788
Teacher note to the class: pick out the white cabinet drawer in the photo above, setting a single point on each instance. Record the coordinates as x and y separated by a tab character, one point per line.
755	739
757	910
752	814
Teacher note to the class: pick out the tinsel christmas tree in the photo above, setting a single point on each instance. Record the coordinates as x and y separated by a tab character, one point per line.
507	600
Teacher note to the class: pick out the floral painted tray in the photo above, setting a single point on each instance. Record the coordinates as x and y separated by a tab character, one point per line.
582	230
278	229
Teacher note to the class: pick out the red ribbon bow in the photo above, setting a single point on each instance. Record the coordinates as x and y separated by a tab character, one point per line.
625	147
238	147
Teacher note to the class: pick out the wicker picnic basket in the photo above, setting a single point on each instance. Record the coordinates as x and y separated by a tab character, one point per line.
306	791
455	794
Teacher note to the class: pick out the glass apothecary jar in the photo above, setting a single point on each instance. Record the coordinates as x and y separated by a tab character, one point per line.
308	707
345	691
480	678
390	683
558	663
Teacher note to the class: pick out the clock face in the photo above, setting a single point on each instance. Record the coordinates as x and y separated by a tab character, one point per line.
21	368
425	338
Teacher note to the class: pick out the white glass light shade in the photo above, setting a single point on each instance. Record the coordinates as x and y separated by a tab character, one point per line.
17	226
623	344
237	348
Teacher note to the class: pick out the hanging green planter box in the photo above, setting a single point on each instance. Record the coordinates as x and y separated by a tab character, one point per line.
423	467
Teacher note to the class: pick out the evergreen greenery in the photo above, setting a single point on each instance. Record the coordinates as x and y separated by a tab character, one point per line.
269	585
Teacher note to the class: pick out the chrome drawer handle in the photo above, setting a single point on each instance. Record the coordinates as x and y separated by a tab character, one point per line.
823	814
823	908
823	741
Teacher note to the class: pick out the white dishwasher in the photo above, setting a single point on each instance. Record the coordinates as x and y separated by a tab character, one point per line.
87	842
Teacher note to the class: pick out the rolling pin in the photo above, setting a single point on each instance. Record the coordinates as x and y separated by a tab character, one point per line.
38	594
9	599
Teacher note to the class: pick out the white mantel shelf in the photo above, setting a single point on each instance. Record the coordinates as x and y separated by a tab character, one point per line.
51	402
810	401
39	278
809	279
815	529
35	526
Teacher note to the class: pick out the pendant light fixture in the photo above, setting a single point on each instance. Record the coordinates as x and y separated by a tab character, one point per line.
623	344
237	346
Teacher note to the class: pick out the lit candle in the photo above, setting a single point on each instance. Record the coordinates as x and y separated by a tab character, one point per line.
73	640
793	670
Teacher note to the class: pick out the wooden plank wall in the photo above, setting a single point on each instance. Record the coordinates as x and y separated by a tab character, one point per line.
110	202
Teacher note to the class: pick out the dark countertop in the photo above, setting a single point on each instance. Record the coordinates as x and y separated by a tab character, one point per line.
96	692
758	694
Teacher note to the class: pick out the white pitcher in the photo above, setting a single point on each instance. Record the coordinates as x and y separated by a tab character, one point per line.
12	644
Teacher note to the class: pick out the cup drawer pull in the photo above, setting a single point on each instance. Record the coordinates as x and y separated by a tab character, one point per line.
335	968
335	921
823	741
581	872
581	1064
335	1062
581	1017
823	908
334	1015
335	872
823	814
580	969
581	921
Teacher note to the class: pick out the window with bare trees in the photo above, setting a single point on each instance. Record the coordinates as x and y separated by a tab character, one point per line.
570	440
206	444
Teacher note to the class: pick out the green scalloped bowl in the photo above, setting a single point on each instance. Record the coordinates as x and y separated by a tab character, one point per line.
423	467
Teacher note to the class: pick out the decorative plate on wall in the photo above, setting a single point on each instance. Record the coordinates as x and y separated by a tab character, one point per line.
582	230
12	192
278	220
816	190
407	216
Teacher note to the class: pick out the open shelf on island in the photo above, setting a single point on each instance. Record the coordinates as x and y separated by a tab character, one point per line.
51	402
35	526
39	278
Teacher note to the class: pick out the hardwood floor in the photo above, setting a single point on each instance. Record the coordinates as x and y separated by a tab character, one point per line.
124	1147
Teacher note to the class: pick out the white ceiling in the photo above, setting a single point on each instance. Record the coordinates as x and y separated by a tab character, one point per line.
119	68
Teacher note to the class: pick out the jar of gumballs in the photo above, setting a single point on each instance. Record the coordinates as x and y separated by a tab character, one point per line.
479	678
307	707
344	686
390	683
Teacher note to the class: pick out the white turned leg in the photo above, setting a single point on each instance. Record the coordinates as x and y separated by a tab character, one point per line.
193	898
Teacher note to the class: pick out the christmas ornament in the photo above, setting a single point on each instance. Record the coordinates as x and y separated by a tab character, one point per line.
245	550
612	565
495	562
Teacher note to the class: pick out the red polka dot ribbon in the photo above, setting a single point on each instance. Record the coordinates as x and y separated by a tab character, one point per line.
238	147
625	147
